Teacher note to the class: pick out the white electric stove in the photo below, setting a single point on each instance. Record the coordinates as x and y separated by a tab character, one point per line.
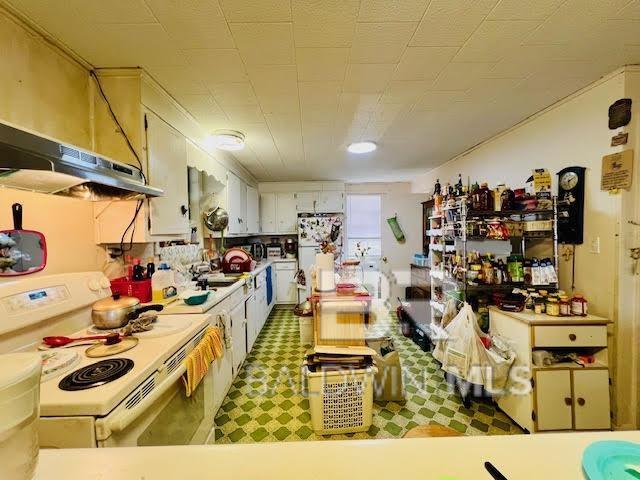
133	397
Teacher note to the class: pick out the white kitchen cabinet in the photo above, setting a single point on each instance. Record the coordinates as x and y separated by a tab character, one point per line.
286	287
286	213
591	403
253	210
222	367
306	201
238	336
553	388
236	204
253	321
268	213
167	151
564	396
330	202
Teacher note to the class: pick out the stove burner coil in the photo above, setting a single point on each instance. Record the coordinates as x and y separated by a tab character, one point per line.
96	374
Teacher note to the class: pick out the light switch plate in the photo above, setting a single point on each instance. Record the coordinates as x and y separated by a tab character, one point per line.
594	245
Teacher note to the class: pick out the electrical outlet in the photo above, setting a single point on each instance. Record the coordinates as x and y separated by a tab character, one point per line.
594	245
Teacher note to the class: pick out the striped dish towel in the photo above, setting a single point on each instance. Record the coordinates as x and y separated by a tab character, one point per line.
210	348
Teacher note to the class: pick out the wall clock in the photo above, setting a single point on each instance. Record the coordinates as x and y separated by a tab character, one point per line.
571	205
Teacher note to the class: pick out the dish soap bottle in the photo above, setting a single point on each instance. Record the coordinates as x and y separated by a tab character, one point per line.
163	283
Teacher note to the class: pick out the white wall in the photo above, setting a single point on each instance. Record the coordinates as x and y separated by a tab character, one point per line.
397	198
575	132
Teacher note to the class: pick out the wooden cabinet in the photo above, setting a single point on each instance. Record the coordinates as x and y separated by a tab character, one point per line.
563	396
268	213
286	288
238	336
253	210
330	202
167	151
286	213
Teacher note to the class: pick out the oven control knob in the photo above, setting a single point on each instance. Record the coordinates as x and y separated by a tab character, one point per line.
94	284
105	283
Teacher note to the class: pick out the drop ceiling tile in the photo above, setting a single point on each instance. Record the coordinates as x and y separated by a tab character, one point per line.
193	23
486	90
358	102
494	39
125	45
205	110
320	93
233	93
405	91
217	65
113	11
326	23
264	43
380	42
631	11
367	78
318	113
317	64
178	80
461	76
243	114
450	22
392	10
573	18
279	103
423	63
272	79
437	100
257	10
527	10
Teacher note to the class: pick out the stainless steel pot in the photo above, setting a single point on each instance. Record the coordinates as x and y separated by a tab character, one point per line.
116	311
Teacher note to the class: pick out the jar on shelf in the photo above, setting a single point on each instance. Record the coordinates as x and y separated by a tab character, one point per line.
553	307
579	305
565	306
538	306
485	199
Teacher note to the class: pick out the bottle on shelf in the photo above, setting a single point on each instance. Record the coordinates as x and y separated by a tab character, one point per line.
137	271
486	197
151	267
459	187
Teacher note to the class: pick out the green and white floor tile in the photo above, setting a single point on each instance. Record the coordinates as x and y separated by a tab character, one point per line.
264	403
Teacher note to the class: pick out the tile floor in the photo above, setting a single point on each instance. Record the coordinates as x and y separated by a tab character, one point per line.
264	403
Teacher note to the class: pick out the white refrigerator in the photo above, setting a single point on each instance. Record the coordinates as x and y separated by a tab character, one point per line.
313	228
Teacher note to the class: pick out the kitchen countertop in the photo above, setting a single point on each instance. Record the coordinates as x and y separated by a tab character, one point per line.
543	319
518	457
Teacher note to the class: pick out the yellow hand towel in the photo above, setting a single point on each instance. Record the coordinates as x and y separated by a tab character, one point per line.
200	358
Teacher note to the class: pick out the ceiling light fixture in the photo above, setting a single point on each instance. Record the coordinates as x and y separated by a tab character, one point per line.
229	140
362	147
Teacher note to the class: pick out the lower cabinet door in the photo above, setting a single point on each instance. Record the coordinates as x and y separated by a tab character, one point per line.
553	400
238	336
591	399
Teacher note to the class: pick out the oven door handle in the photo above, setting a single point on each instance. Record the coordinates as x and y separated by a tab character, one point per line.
118	422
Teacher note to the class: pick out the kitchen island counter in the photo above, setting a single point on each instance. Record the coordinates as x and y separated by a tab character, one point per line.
520	457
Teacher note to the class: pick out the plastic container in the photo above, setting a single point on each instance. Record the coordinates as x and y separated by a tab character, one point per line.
127	288
163	283
565	306
579	305
340	401
306	330
19	412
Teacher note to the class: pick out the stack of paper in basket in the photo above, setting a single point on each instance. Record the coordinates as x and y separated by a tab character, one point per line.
325	359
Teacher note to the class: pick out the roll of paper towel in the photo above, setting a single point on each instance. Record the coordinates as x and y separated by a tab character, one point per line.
325	273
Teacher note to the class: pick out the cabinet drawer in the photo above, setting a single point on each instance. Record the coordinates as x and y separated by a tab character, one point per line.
570	336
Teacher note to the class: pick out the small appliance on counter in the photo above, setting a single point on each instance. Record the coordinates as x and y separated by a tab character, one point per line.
291	247
237	260
274	248
258	250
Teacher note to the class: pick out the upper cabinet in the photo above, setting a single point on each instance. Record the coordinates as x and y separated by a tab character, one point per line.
167	160
286	215
236	200
306	201
268	213
330	202
253	213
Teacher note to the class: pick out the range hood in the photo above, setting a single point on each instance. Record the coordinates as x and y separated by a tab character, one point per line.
34	163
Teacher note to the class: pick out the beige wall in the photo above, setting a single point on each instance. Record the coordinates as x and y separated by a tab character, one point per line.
66	223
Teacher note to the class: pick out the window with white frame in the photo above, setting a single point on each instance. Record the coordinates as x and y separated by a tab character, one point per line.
363	225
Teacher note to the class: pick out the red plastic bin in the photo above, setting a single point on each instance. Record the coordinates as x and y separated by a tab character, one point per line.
140	289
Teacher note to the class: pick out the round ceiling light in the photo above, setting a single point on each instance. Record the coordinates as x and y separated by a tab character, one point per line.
229	140
362	147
